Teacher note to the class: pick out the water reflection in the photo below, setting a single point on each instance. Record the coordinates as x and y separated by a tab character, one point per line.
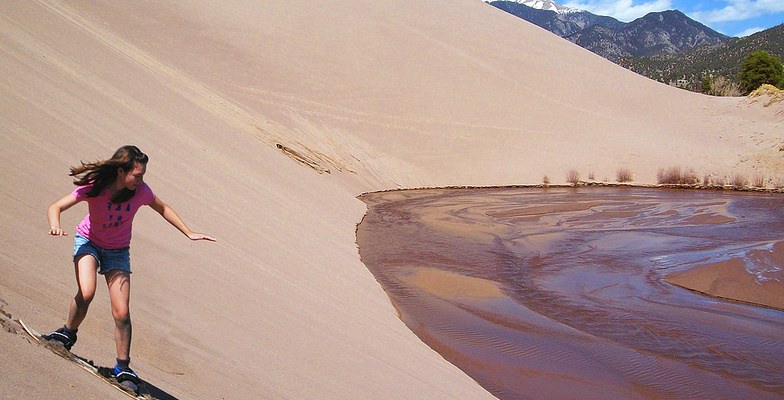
559	293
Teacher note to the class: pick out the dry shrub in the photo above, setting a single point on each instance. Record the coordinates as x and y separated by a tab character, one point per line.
624	175
573	177
690	177
676	176
739	181
759	181
713	181
721	86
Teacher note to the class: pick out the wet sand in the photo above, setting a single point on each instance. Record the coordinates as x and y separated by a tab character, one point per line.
568	293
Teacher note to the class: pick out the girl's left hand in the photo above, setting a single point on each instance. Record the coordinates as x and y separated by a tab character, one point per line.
200	236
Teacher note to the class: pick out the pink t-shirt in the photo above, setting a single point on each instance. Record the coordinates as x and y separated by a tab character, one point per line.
107	224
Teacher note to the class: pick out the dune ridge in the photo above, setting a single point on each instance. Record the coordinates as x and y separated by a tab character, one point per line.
380	94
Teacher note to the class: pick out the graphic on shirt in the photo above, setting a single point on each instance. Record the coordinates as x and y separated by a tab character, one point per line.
116	214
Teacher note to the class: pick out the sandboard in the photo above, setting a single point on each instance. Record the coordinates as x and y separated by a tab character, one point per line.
105	374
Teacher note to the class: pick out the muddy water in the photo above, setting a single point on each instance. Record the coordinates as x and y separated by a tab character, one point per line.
559	293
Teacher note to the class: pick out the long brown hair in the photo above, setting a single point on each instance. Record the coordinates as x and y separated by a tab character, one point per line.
100	174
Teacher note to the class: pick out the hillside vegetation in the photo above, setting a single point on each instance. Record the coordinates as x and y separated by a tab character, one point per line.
723	59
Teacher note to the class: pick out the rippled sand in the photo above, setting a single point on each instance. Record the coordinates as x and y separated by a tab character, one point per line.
571	293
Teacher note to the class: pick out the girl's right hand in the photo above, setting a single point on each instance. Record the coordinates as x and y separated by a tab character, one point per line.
53	214
57	232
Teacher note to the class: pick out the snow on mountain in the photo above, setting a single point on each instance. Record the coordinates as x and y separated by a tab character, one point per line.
548	5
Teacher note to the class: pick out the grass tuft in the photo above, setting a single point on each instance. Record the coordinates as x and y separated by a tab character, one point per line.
759	181
739	181
624	175
573	177
774	94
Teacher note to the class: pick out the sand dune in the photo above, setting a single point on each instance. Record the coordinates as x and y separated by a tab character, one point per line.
373	95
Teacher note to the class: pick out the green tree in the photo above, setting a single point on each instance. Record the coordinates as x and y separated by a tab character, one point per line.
706	83
760	67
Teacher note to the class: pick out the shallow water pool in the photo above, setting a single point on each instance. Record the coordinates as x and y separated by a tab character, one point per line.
560	293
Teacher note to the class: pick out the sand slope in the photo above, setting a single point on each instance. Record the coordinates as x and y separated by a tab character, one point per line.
380	94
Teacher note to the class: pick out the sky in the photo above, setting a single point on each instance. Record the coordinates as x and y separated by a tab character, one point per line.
730	17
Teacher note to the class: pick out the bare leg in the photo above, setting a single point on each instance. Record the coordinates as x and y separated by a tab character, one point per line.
119	283
85	268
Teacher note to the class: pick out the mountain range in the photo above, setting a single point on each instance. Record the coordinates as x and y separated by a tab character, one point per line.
655	34
666	46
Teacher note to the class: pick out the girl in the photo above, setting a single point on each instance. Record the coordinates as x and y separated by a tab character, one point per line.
114	190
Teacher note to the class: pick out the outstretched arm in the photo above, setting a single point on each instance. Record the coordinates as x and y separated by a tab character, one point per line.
54	214
171	216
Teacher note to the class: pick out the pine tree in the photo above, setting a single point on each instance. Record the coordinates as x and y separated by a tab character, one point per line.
759	68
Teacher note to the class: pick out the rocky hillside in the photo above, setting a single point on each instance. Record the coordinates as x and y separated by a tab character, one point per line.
656	34
723	59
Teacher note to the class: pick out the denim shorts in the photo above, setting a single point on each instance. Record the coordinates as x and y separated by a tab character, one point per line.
108	260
